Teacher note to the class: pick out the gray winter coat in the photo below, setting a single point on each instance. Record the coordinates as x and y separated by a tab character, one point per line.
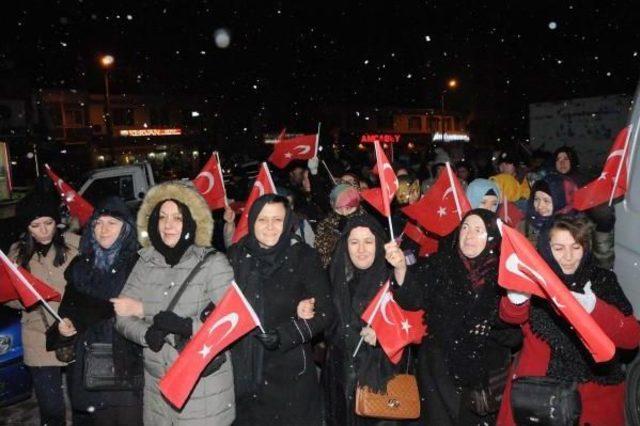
154	283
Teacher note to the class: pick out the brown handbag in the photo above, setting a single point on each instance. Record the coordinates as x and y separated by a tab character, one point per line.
401	401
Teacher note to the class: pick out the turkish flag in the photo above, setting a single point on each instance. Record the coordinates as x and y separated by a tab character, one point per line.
78	206
297	148
232	318
395	328
16	283
381	198
509	213
438	211
522	269
210	183
600	190
262	185
427	244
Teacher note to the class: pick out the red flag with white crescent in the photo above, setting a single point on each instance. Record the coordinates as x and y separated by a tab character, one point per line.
395	328
509	213
438	211
16	283
210	183
302	147
263	185
78	206
381	198
612	182
232	318
523	269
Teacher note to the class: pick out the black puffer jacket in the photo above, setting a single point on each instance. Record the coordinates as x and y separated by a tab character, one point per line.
86	304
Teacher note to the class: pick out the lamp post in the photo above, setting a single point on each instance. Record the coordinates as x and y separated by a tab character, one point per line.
451	84
106	61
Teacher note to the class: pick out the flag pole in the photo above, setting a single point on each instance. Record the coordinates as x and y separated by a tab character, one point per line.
622	159
329	172
28	285
393	238
455	191
373	314
317	141
226	200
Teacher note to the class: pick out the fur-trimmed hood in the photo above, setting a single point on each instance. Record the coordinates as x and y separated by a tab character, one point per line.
188	196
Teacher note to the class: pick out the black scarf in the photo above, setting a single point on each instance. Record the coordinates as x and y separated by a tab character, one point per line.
42	249
482	266
353	290
172	255
253	265
570	360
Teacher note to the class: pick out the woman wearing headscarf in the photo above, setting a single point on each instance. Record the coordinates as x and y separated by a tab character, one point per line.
358	270
275	378
345	203
483	194
175	228
550	196
551	346
107	256
45	251
467	344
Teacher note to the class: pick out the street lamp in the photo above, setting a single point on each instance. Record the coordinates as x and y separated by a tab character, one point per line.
106	61
451	84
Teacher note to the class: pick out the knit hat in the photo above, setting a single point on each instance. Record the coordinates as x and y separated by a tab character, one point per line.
344	195
478	188
36	205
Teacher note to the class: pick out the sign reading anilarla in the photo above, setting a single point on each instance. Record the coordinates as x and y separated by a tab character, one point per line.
382	138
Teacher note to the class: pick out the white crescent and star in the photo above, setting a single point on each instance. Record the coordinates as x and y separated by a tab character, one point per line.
616	153
446	193
231	318
514	264
386	166
209	177
260	187
442	211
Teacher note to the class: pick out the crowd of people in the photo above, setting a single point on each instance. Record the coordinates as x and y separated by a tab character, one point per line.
314	258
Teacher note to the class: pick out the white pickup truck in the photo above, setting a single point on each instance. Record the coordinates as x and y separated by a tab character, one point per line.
130	183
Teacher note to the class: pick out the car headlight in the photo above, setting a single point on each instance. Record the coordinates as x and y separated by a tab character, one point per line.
5	344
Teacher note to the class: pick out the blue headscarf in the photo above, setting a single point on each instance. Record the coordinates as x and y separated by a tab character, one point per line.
478	188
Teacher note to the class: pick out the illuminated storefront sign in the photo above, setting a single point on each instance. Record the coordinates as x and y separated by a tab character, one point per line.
150	132
450	137
383	138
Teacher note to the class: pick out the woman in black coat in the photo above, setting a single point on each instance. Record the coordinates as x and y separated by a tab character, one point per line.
275	378
466	343
107	255
358	270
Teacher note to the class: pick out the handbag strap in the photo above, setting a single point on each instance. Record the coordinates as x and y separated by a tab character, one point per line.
183	286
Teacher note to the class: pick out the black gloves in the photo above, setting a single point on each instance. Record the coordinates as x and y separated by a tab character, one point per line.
207	311
172	323
214	365
270	340
155	338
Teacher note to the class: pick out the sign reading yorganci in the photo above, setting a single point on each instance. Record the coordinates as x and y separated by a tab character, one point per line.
382	138
150	132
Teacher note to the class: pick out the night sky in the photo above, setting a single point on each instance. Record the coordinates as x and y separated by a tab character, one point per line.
287	58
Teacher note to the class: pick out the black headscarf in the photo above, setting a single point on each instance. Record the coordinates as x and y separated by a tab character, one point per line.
269	258
172	255
486	263
353	290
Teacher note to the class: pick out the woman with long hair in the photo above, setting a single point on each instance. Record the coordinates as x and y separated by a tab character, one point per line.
44	250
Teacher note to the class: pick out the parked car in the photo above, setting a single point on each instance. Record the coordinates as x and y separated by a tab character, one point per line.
15	380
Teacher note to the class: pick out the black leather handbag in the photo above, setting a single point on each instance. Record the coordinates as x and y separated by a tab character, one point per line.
545	401
100	372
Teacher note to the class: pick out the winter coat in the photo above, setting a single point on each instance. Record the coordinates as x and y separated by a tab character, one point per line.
551	348
86	303
154	283
288	392
33	326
